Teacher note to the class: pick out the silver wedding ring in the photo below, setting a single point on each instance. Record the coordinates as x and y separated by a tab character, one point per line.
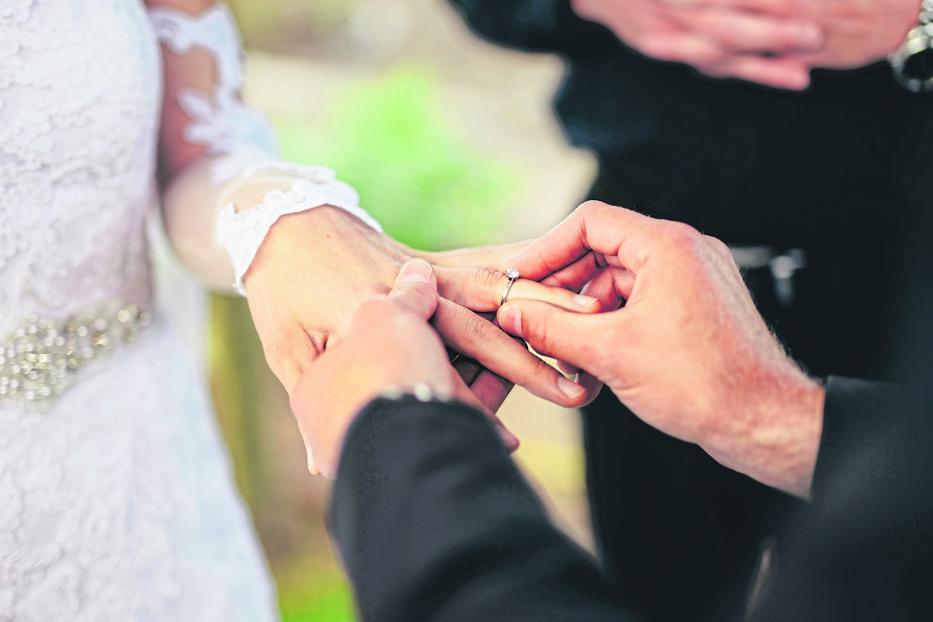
512	275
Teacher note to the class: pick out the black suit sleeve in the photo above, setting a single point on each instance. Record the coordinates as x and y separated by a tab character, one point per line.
854	411
536	26
434	523
864	550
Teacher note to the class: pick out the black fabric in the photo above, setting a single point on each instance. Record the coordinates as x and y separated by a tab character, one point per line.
742	162
701	526
864	550
854	408
434	523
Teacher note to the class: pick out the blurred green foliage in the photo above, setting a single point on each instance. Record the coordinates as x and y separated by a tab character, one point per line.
310	591
426	185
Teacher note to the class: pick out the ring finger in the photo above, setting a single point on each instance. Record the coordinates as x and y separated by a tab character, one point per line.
482	290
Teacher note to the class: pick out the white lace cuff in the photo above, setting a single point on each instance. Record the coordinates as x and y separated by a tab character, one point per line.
241	234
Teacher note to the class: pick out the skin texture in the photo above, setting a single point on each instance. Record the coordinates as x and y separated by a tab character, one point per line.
688	352
772	42
389	345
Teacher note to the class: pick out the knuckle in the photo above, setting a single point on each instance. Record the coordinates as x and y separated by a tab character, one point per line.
655	47
488	279
683	237
289	355
475	328
708	59
716	65
718	246
589	207
592	210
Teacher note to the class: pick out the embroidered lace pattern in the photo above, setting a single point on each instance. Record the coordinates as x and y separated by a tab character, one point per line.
116	504
220	121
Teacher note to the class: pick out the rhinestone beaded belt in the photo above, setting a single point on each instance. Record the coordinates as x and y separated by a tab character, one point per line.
40	358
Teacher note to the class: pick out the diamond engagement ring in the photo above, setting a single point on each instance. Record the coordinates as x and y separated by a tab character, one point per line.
512	275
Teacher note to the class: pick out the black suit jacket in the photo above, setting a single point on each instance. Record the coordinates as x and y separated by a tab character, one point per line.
434	522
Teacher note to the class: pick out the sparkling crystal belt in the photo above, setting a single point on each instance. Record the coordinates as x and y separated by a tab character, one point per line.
40	358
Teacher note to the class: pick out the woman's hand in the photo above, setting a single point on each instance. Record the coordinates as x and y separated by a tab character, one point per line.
388	347
315	268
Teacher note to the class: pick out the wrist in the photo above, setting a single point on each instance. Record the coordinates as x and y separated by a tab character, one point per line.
243	224
291	238
773	436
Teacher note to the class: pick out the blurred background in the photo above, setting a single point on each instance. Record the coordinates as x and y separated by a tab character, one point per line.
451	143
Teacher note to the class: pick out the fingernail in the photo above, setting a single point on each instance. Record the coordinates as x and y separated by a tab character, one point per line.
511	320
584	301
415	271
569	388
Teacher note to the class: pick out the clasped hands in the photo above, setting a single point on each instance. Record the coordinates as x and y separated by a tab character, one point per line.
772	42
673	332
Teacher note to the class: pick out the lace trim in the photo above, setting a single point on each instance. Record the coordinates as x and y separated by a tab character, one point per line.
241	234
221	122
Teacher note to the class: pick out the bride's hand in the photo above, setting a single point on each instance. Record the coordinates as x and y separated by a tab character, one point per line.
389	347
315	268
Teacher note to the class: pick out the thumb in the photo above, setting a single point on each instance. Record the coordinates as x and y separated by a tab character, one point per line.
575	338
415	288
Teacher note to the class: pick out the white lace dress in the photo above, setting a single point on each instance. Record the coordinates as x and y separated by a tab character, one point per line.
116	500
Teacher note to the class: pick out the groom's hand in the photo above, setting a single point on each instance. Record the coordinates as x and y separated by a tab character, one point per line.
390	346
688	352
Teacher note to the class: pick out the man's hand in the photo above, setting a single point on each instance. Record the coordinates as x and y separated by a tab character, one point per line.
688	352
758	40
771	42
389	346
860	32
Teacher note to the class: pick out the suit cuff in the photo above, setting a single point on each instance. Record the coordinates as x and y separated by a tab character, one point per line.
853	408
382	444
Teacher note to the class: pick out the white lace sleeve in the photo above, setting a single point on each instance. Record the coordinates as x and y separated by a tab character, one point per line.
242	233
219	120
204	117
